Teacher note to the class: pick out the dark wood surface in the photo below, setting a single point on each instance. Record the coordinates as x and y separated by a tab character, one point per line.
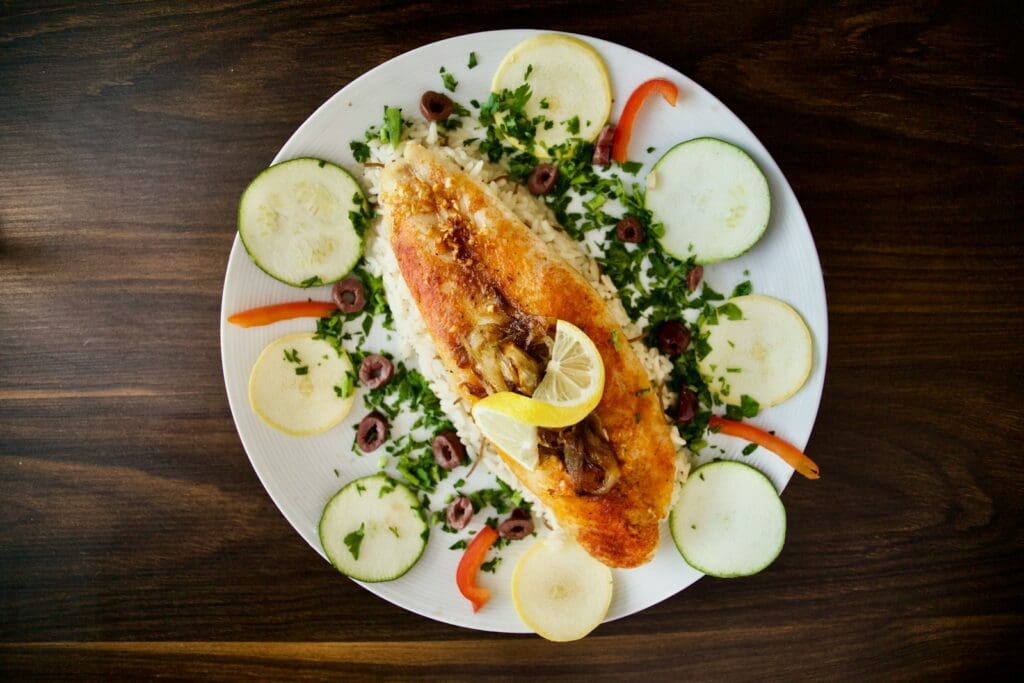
135	539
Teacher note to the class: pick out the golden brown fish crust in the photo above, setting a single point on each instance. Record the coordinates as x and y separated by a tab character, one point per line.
456	245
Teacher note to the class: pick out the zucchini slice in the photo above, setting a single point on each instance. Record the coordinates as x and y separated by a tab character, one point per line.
729	521
295	222
301	385
374	529
712	199
766	354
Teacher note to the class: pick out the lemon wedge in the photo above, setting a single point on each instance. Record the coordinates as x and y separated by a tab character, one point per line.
569	84
292	385
559	591
571	388
515	439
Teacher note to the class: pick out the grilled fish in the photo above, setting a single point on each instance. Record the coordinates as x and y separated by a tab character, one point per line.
488	289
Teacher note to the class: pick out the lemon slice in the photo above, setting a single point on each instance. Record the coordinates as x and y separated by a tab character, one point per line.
569	82
574	377
559	591
292	385
515	439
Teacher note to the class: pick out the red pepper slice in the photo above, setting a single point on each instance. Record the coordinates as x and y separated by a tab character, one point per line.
264	315
667	89
469	566
785	450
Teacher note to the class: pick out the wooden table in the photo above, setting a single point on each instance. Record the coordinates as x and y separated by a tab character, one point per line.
135	539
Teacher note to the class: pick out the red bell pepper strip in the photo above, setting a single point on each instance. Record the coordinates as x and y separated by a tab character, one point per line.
469	566
264	315
785	450
667	89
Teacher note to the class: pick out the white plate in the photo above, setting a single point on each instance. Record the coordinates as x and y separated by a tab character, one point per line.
299	473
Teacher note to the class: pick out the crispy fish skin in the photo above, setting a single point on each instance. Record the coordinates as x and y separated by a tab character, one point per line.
456	245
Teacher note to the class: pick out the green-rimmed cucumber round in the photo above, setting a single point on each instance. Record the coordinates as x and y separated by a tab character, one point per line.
374	529
295	221
729	520
712	199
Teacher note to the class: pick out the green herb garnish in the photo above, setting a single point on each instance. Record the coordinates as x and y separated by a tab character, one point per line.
391	131
354	540
347	385
360	151
742	289
449	81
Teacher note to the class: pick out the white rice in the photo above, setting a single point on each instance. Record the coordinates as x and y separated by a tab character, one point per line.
535	214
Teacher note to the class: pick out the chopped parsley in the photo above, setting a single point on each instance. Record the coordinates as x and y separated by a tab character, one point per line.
347	385
742	289
391	130
748	407
354	540
631	167
730	311
302	370
503	499
360	151
362	216
414	459
449	81
749	448
292	356
312	281
472	60
573	125
491	566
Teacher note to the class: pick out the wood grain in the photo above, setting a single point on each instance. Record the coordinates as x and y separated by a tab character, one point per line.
136	541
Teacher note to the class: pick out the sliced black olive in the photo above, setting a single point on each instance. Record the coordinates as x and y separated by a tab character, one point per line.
448	450
375	371
460	512
673	338
435	106
372	432
349	295
542	179
518	525
629	229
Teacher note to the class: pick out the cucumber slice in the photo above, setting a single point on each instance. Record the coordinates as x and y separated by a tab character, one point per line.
292	385
729	521
767	355
374	529
569	87
294	222
712	199
559	591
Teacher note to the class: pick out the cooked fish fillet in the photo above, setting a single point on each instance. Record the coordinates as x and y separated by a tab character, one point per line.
468	260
